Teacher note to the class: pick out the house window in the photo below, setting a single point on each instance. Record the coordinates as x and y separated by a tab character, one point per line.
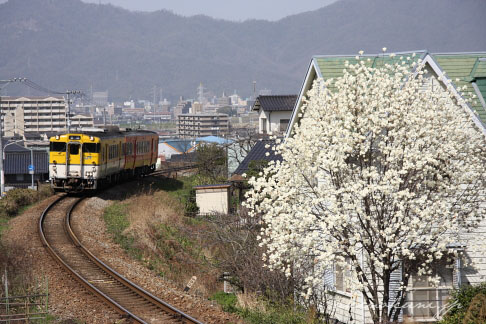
264	125
284	123
343	276
424	300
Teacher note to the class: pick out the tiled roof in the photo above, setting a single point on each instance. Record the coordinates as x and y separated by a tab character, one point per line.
275	102
213	186
332	66
461	68
464	69
258	153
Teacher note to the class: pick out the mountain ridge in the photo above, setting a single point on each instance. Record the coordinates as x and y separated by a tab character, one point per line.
71	44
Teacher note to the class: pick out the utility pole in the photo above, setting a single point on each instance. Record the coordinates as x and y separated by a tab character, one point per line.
4	83
155	89
68	110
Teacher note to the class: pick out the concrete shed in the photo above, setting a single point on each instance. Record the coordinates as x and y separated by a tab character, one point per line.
213	199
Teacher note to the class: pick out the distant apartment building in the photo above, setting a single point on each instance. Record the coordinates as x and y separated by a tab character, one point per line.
183	107
197	108
100	98
198	125
37	114
224	101
164	106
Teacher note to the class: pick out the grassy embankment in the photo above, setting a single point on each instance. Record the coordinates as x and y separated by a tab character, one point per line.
152	228
21	281
17	201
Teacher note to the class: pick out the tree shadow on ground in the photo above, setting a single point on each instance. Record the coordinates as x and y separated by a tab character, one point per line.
144	185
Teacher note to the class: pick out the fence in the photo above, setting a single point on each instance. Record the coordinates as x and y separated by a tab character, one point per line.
29	308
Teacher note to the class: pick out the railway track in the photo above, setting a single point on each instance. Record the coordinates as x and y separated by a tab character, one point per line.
131	301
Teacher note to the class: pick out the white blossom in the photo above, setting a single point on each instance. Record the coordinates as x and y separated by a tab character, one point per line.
376	167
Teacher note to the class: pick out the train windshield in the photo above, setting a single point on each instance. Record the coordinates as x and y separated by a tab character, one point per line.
74	149
91	147
57	147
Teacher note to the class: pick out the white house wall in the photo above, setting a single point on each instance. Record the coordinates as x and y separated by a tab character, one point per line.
273	120
167	150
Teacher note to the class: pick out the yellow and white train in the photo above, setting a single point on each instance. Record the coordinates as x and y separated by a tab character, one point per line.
89	160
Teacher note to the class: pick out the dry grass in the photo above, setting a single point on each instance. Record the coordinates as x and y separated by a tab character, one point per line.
162	235
250	301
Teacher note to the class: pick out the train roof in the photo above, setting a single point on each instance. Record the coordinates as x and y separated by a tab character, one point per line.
104	134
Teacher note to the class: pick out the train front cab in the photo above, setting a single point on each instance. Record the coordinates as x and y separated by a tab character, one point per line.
74	162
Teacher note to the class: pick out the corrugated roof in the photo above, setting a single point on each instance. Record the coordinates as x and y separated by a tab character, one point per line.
463	69
275	102
18	162
258	153
182	146
214	139
14	148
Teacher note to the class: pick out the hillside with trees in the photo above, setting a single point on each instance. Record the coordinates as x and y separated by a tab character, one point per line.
71	44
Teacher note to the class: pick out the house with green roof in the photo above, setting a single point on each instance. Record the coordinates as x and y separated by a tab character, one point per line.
462	69
424	302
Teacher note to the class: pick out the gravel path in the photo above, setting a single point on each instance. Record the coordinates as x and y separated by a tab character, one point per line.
67	298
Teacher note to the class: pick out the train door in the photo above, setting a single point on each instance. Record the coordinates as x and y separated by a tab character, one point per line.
152	152
105	158
73	159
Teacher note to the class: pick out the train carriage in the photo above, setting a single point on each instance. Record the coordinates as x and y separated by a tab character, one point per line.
88	160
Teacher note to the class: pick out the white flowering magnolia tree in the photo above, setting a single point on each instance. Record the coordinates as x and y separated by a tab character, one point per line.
380	174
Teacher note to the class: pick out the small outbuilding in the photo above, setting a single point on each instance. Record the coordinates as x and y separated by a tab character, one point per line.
213	199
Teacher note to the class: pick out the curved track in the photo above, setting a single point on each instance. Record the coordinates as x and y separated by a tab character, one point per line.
131	301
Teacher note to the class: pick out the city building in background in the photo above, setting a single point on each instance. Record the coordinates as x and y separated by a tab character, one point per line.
197	125
38	114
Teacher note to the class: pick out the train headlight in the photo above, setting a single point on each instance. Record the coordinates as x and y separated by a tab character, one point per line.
57	137
91	138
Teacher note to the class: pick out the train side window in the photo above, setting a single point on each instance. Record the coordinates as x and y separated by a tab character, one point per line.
57	147
91	147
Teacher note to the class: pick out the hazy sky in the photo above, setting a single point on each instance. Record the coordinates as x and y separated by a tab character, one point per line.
225	9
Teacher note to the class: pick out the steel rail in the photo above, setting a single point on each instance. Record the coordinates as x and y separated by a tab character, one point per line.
119	308
176	313
172	311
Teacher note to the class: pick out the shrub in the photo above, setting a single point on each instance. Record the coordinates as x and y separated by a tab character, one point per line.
265	313
16	199
464	304
227	301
